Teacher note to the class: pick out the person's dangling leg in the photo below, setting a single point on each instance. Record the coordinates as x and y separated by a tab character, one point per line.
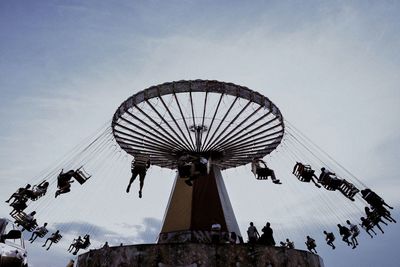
142	174
134	174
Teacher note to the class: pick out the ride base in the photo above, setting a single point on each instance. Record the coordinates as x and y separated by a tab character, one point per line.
193	255
185	238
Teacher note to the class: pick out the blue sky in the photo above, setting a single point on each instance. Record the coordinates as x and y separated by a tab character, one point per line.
330	66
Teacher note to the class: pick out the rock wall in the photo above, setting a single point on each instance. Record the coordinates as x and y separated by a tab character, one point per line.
193	255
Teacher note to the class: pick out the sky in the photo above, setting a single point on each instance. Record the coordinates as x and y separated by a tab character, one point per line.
330	66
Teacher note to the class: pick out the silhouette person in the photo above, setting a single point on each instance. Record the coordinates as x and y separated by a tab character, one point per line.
267	238
140	164
252	233
20	193
289	244
74	243
345	233
311	245
354	233
64	181
261	170
215	232
53	239
39	231
373	199
330	237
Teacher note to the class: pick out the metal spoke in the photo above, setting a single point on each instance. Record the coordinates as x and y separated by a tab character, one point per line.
232	134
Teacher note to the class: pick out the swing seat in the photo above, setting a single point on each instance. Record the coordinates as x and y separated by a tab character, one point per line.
57	238
41	234
81	176
21	219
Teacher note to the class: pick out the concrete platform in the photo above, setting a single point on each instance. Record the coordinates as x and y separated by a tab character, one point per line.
193	255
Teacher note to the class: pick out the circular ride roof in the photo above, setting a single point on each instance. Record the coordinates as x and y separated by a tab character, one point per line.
228	123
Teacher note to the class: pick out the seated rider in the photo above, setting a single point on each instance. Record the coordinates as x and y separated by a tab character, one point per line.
191	167
375	218
345	233
54	238
19	205
330	237
139	166
311	245
185	165
329	179
354	233
39	190
305	173
39	231
75	243
82	244
64	181
26	221
367	225
289	244
373	199
20	193
263	172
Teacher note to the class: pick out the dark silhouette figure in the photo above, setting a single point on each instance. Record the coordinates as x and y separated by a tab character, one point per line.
233	238
38	191
54	238
215	233
19	205
20	193
252	233
368	226
330	181
139	166
289	244
311	245
345	233
262	172
354	233
64	181
74	242
79	244
39	232
267	237
191	167
374	218
330	237
373	199
305	174
26	221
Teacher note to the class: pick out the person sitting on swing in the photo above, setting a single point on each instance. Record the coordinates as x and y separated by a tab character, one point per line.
139	166
311	245
75	243
39	190
20	193
374	199
330	237
39	231
329	179
54	238
82	244
263	172
305	173
64	181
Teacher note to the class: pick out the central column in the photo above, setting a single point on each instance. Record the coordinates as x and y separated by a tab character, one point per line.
193	209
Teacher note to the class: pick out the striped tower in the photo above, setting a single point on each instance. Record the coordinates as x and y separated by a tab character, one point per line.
193	209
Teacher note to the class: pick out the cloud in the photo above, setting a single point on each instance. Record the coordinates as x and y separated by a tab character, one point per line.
146	232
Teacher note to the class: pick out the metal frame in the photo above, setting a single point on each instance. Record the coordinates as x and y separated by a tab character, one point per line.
242	124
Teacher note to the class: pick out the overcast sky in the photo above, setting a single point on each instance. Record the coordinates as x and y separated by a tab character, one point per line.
332	67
